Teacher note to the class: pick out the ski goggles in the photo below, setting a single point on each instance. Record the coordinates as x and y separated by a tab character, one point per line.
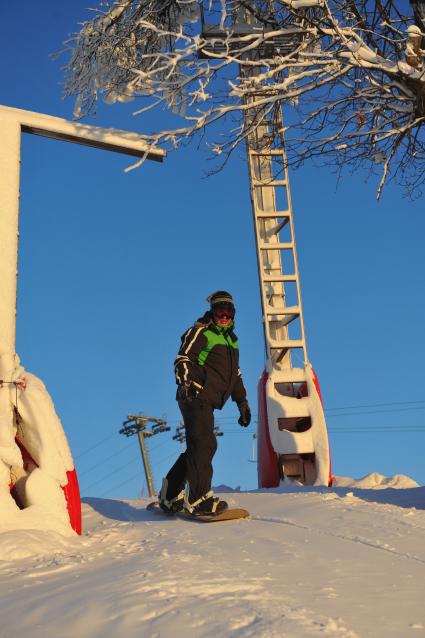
224	312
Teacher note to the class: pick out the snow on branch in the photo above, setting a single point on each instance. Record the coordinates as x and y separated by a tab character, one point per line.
349	74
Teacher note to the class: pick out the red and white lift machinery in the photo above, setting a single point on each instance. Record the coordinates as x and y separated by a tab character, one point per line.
292	435
35	459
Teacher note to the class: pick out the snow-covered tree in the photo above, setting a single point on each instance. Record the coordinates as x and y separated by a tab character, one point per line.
349	74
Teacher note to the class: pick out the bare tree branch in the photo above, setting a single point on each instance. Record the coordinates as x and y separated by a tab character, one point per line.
349	74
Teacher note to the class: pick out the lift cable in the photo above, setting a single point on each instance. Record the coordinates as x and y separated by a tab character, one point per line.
114	471
336	428
131	478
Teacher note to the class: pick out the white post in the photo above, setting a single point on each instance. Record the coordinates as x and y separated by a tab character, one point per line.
10	136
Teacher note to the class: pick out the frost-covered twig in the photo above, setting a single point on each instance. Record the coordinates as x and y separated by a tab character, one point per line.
354	69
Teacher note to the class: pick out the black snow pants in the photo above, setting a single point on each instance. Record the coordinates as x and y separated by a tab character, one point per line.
194	466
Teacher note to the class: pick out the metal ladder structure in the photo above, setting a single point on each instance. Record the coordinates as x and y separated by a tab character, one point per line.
292	436
276	249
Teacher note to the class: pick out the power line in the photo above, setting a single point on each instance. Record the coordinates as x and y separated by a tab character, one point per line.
347	407
120	467
375	431
352	428
376	405
152	449
166	458
131	478
112	472
377	428
341	430
108	458
337	428
332	416
349	429
114	487
93	447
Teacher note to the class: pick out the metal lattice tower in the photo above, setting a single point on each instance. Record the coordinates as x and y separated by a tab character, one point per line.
273	219
276	248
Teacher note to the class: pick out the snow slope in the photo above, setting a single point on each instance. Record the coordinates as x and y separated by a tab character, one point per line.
345	562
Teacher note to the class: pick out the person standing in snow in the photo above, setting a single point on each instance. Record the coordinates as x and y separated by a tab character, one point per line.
207	374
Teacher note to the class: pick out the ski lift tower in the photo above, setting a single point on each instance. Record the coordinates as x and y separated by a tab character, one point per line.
292	436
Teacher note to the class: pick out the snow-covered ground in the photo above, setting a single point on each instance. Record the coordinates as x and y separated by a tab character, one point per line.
346	562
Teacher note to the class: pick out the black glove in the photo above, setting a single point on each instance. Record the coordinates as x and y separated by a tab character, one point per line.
245	414
188	391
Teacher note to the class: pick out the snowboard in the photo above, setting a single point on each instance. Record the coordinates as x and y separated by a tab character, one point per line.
228	515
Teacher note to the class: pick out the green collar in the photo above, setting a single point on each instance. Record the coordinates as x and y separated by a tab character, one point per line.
223	329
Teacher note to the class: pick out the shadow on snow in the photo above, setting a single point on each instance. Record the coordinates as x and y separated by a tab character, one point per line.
119	510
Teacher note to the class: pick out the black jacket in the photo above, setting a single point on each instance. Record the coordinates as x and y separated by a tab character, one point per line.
209	357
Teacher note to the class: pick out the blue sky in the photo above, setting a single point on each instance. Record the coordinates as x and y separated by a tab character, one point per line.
114	266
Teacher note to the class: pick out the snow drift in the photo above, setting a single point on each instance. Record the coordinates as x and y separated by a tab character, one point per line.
38	484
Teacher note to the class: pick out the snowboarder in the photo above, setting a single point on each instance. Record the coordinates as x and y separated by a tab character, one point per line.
207	373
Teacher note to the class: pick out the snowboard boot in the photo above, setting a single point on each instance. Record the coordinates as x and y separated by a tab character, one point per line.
207	505
172	505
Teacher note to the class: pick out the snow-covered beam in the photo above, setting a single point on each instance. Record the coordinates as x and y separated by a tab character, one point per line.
12	123
108	139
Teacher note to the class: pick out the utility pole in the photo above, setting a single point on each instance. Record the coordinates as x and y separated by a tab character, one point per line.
180	434
217	430
137	424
